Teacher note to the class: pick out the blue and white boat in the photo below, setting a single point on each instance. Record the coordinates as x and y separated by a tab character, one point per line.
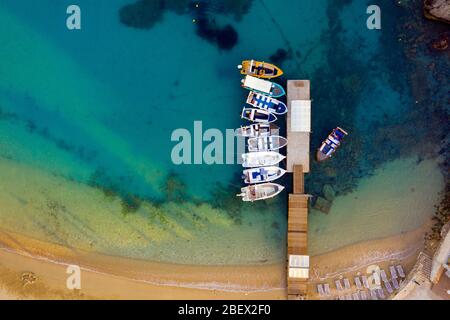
263	174
258	115
268	103
330	145
271	89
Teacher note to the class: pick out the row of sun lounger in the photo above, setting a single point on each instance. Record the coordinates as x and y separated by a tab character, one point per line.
362	283
362	295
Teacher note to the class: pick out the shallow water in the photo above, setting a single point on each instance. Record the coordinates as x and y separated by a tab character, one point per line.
92	111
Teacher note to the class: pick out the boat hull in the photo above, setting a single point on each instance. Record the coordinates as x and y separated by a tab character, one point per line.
257	130
260	192
263	174
261	159
268	103
260	69
271	143
258	115
263	86
330	144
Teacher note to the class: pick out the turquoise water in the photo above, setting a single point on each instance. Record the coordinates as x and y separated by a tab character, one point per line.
97	107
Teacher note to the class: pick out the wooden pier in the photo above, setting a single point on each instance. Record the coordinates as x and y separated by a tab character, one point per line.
298	135
297	240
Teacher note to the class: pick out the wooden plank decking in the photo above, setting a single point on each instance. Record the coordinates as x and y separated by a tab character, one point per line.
299	184
297	238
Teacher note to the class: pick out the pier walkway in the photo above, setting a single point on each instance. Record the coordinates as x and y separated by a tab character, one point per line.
297	240
298	124
298	162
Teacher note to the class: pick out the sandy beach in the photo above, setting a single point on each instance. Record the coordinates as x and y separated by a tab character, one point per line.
106	277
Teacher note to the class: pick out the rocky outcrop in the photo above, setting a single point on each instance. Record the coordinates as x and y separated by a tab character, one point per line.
437	10
328	192
322	205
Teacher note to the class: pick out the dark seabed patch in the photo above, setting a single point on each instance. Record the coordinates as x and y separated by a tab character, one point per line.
144	14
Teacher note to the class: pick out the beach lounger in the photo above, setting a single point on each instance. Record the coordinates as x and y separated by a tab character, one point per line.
393	272
400	271
365	282
388	287
363	295
373	295
383	276
348	297
339	285
358	283
347	284
381	293
395	283
326	287
355	296
320	290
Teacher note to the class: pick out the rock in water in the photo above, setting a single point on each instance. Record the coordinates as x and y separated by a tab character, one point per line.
437	10
323	205
329	192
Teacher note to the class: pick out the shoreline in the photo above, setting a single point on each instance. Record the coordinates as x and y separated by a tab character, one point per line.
108	277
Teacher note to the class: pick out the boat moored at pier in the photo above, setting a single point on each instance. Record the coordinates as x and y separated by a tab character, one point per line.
258	115
269	143
260	192
260	69
263	86
257	130
262	174
261	159
268	103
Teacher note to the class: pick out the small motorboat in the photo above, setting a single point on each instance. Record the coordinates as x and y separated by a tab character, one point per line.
258	115
330	144
264	102
261	159
263	86
264	174
270	143
257	130
260	69
260	192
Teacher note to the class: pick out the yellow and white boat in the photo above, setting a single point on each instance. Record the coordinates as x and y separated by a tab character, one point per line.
260	69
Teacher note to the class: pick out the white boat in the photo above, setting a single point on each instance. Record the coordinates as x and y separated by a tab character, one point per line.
258	115
261	159
263	86
257	130
260	192
262	174
270	143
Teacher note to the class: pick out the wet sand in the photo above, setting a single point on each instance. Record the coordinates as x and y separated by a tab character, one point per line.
107	277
